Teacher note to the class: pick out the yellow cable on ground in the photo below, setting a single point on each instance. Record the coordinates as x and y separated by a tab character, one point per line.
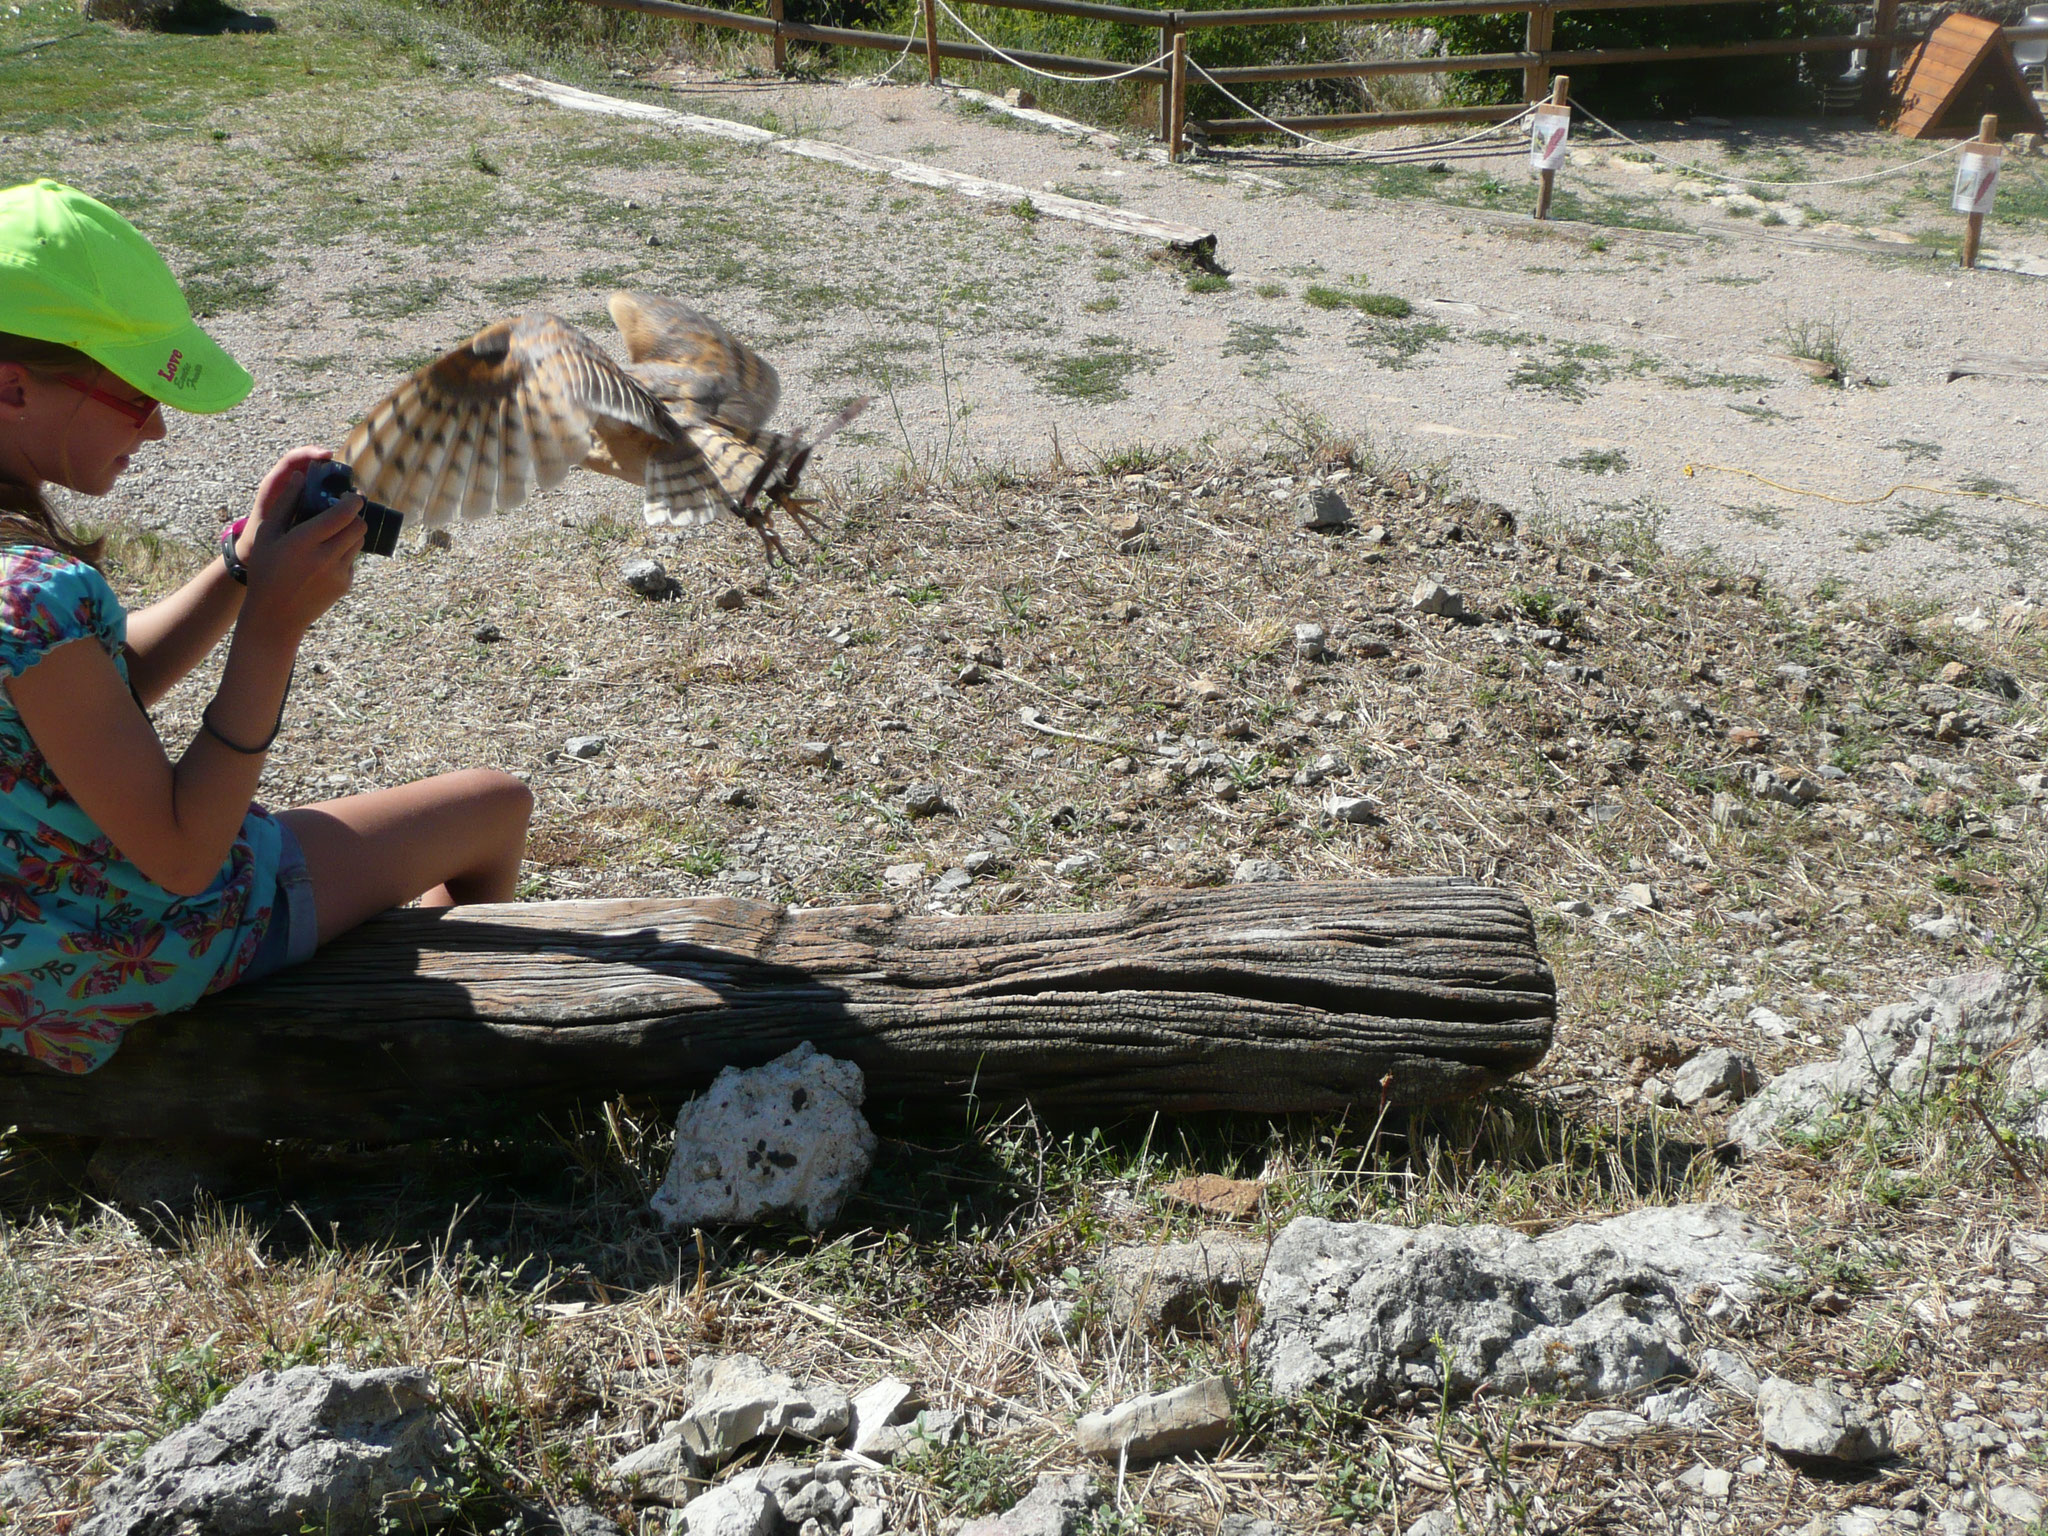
1866	501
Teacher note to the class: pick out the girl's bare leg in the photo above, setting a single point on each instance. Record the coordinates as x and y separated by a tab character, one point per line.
449	840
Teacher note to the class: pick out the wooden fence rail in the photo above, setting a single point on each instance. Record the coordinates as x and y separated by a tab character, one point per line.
1537	60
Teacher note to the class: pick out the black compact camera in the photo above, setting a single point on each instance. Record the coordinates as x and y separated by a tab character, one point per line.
330	480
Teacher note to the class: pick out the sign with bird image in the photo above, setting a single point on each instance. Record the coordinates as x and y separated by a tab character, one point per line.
526	400
1549	131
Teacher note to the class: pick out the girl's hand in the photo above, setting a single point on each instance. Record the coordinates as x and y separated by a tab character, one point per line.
278	494
298	573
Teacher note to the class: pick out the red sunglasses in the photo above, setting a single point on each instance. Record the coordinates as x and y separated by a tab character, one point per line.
137	411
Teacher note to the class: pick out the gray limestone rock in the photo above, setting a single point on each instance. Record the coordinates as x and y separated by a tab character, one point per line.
787	1136
1714	1079
1057	1505
1905	1048
23	1487
735	1399
1249	1525
1816	1424
1321	509
1167	1286
582	1520
333	1450
666	1472
878	1407
738	1508
648	577
1195	1417
1593	1310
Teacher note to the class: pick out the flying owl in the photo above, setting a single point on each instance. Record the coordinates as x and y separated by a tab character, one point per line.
526	400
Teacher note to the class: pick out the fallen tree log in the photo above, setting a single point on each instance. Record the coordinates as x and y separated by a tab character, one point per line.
1259	997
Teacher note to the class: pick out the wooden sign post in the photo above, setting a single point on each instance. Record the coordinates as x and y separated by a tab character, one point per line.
778	45
931	41
1549	131
1977	184
1177	99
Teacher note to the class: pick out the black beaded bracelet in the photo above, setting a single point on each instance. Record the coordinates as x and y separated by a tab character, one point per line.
228	557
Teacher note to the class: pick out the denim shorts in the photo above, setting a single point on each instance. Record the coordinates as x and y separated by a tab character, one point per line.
294	929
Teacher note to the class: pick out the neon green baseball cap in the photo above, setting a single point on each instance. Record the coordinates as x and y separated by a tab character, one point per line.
75	272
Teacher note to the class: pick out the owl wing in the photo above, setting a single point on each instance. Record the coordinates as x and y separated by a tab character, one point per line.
509	412
693	363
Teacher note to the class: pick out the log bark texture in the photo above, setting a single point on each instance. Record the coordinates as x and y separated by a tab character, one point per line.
1272	997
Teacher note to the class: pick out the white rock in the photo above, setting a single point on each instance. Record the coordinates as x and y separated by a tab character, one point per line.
1608	1426
1434	597
741	1508
735	1400
1590	1310
877	1407
902	875
1714	1078
1255	871
1195	1417
584	746
1816	1423
1730	1370
787	1136
2017	1504
1708	1482
1576	908
866	1520
1075	864
1361	810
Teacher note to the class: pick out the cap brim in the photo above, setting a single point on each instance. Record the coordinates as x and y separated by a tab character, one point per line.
187	369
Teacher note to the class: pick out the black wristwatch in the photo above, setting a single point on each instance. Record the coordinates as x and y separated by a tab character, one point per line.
228	557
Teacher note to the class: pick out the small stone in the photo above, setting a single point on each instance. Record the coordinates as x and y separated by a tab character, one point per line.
729	599
738	1508
903	876
970	675
1575	908
876	1408
814	754
1310	642
2017	1504
1320	509
1436	1522
984	861
738	796
1715	1079
1432	596
1608	1426
866	1520
585	746
1195	1417
1359	810
1954	672
1205	690
1639	896
487	633
1816	1424
1708	1482
1257	871
1074	865
647	577
1169	1286
951	883
784	1137
1057	1505
666	1472
924	799
23	1487
1018	96
1730	1370
1052	1320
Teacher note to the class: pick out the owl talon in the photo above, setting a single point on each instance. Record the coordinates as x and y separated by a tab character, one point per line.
802	511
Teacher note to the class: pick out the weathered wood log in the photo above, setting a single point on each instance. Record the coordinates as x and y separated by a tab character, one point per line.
1256	997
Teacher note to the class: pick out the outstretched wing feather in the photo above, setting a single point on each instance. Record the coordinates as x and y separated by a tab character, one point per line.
487	424
693	363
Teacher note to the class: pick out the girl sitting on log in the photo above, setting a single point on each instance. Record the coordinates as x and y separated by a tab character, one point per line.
133	884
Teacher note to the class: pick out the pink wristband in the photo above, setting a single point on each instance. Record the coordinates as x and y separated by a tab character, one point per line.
234	529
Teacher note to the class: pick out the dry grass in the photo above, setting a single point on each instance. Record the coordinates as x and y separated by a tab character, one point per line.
561	1322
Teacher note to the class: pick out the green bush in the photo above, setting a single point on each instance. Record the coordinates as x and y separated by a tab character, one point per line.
1724	86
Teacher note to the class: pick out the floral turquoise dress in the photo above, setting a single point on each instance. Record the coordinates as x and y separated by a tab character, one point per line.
89	945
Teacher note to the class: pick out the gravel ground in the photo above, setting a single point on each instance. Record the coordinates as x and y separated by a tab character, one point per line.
1568	372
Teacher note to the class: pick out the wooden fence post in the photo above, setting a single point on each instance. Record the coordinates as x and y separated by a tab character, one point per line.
1973	231
1178	94
1542	22
931	41
1560	96
1877	60
780	44
1166	33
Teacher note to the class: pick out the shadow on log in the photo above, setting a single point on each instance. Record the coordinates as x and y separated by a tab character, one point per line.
1268	998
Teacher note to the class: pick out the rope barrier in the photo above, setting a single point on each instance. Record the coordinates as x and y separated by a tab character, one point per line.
908	44
1866	501
1393	156
1043	74
1763	181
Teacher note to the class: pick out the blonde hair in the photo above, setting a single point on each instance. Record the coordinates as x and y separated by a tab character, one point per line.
25	516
